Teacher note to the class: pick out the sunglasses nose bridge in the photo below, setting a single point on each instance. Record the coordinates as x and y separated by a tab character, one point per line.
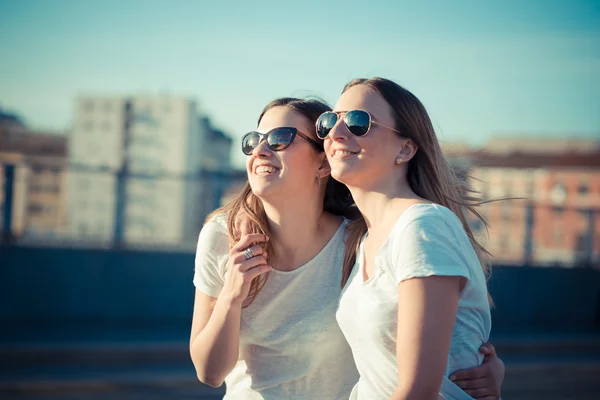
262	148
339	129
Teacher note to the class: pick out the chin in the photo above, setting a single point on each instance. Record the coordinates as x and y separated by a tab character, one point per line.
342	173
265	189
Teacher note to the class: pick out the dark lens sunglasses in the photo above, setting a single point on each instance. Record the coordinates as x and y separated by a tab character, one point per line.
276	139
358	122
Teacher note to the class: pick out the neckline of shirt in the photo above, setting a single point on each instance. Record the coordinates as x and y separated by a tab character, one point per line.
313	260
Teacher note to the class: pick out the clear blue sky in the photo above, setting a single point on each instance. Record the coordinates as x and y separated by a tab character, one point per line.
481	67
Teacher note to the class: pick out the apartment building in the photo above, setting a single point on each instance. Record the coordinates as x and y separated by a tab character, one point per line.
39	159
554	214
136	166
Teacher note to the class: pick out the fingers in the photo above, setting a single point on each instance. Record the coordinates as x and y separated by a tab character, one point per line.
473	384
488	349
480	393
478	382
239	257
248	240
469	374
254	272
254	262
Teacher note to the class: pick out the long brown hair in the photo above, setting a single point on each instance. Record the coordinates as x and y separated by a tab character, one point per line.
247	208
429	174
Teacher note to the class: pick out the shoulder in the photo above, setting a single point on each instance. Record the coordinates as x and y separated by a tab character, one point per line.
431	219
426	229
214	234
427	240
212	253
218	223
219	220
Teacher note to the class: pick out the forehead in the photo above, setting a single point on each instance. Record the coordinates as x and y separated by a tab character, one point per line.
283	116
361	97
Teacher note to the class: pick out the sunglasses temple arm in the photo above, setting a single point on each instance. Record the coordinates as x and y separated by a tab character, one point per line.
311	140
385	126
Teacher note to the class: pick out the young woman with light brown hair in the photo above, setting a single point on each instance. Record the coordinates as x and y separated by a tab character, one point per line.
415	305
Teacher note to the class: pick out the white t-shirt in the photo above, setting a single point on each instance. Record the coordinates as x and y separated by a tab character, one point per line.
291	346
427	240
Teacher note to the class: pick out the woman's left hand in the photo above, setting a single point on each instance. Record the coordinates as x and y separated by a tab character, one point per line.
483	382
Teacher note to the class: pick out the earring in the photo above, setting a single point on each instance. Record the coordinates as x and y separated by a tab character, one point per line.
399	160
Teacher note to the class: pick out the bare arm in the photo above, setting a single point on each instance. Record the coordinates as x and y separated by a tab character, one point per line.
215	336
214	343
427	310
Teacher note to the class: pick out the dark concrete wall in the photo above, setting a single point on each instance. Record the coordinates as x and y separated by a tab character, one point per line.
47	288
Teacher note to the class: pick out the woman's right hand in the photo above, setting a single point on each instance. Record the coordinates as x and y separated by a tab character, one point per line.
242	270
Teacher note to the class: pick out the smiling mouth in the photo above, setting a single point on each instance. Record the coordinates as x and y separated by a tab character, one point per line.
343	153
265	170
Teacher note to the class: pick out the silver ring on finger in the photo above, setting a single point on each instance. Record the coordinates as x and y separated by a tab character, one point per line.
249	253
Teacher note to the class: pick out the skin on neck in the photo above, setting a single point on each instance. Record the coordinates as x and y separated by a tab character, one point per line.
300	228
381	205
384	200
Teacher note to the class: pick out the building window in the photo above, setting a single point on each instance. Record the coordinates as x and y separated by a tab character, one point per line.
583	189
45	188
558	194
144	117
88	106
557	211
35	208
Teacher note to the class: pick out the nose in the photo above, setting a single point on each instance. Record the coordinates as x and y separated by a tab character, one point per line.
339	131
262	150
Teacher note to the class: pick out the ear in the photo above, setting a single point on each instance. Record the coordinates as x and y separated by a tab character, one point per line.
324	169
406	152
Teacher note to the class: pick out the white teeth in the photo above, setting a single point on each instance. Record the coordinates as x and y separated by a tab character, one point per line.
265	169
340	152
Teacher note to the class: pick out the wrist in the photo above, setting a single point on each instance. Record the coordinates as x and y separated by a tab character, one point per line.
229	301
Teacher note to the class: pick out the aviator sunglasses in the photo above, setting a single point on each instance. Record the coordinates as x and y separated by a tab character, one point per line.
276	139
358	122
